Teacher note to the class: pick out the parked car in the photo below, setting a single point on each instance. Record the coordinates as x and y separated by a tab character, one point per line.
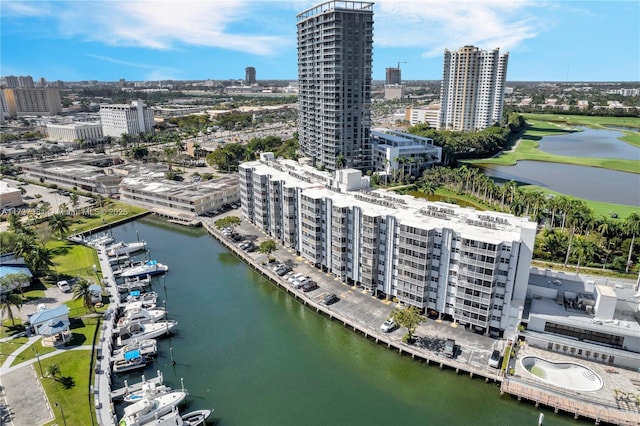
294	277
494	359
283	271
450	348
300	282
388	326
330	298
64	286
310	286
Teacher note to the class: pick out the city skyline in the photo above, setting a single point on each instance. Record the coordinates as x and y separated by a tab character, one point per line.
197	40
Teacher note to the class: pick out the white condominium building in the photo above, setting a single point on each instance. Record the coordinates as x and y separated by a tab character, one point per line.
459	263
121	118
472	91
335	51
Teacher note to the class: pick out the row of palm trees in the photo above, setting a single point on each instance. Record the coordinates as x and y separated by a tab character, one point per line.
586	236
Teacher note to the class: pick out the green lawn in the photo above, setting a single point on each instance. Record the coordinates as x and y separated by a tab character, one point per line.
72	260
71	389
112	212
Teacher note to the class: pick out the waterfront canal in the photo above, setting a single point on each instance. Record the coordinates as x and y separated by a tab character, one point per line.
258	357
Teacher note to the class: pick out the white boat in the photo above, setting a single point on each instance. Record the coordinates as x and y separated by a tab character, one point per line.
195	418
134	332
132	360
122	247
149	409
101	240
141	316
147	300
149	390
150	267
147	347
136	283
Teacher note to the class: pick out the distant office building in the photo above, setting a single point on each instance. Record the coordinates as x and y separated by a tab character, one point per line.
23	101
393	76
11	81
472	91
335	42
250	75
394	91
121	118
88	133
467	265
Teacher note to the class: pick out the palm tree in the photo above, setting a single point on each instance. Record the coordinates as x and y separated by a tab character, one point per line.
583	249
7	300
14	223
81	291
39	259
340	161
428	188
59	223
53	370
631	226
74	200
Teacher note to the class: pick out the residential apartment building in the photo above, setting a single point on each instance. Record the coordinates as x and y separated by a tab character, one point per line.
393	76
472	90
335	43
152	191
23	101
458	263
424	115
401	152
87	132
121	118
250	75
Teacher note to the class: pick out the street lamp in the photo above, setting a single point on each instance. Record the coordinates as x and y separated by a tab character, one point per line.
62	414
38	358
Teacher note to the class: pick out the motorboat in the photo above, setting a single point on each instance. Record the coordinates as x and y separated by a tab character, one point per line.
147	300
133	332
149	409
195	418
149	390
122	247
146	347
141	316
123	258
132	360
150	267
101	240
136	283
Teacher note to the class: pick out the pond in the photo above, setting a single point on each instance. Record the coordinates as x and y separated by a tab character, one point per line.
591	183
592	143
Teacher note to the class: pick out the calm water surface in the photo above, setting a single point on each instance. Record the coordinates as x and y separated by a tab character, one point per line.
591	183
258	357
592	143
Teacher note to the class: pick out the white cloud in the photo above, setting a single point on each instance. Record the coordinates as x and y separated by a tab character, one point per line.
166	24
434	25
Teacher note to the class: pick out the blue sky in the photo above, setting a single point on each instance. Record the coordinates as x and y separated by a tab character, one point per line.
199	39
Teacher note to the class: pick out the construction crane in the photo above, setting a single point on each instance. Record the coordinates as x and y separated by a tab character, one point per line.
400	63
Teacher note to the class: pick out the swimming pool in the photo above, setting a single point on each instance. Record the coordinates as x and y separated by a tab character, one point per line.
566	375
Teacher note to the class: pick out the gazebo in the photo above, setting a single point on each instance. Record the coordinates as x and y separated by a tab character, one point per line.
52	325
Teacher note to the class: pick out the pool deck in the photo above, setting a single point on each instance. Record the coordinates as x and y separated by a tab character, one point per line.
605	405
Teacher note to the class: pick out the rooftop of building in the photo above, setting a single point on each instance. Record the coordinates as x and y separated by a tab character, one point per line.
153	182
572	296
492	227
